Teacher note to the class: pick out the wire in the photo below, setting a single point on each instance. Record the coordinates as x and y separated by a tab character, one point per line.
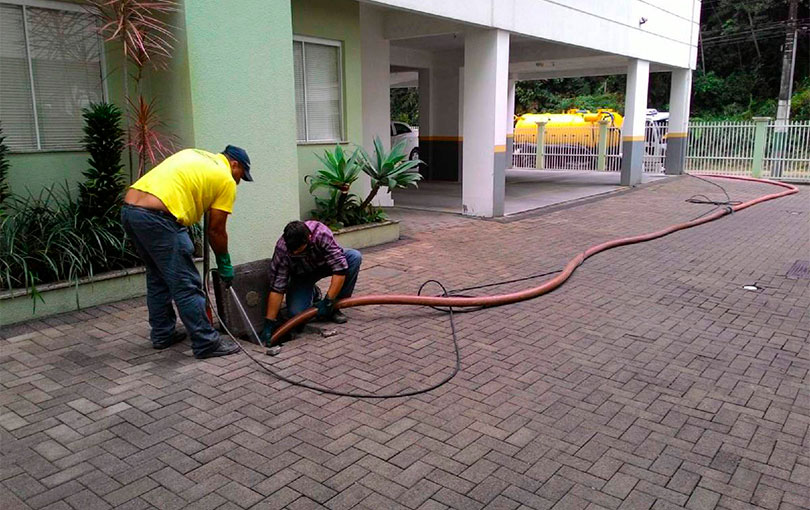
328	391
703	199
695	199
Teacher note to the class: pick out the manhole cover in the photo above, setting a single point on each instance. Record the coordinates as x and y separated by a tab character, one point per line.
799	270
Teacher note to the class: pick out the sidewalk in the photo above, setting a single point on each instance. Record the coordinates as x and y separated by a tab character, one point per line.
651	380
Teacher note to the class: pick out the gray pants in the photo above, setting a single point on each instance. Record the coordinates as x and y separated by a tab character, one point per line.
167	252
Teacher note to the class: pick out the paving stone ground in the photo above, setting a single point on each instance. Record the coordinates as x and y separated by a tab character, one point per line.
651	380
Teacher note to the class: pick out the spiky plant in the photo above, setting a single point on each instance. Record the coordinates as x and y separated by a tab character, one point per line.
390	169
147	138
337	175
146	40
4	191
100	193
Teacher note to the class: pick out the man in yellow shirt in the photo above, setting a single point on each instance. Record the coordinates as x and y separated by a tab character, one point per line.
157	210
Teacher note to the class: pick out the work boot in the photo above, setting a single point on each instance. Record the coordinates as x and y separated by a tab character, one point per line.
338	317
177	336
226	346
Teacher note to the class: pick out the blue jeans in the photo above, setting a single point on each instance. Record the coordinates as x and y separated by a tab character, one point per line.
167	252
301	289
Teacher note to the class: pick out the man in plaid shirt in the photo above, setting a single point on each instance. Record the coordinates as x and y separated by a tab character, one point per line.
305	253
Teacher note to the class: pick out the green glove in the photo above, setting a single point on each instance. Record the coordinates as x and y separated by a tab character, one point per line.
270	326
325	307
224	268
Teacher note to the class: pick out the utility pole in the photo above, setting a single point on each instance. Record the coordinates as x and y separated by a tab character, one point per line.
786	87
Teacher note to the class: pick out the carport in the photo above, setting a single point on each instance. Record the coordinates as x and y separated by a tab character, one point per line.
466	79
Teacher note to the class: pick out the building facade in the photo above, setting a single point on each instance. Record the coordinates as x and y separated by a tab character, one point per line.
286	79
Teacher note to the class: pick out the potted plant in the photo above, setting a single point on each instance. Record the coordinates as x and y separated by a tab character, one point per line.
354	221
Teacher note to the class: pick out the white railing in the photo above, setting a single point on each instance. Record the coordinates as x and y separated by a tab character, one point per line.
720	147
759	147
583	148
787	151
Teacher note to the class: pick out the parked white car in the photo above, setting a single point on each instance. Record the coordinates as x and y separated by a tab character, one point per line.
410	135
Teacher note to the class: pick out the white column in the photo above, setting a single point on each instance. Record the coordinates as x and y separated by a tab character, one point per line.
443	143
376	76
486	76
679	99
635	111
510	122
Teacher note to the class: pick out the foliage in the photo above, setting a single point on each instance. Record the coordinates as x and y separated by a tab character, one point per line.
405	105
46	238
326	211
149	142
800	105
337	176
4	165
138	25
340	208
100	193
391	169
146	40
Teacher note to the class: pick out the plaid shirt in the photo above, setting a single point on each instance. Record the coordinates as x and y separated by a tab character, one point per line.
323	255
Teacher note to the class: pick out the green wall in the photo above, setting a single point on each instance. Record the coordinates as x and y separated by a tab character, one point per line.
337	20
241	81
32	171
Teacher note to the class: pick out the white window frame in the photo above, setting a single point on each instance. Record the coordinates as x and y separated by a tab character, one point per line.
325	42
65	7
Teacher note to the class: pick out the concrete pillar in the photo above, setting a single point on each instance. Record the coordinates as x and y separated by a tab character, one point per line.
679	100
442	140
424	121
486	76
635	111
257	43
510	122
376	73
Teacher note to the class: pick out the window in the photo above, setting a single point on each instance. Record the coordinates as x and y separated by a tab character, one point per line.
400	128
50	68
318	90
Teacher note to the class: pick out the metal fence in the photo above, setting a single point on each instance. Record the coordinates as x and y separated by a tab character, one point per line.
760	147
720	147
569	148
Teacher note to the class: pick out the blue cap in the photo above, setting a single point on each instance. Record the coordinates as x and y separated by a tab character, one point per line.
239	155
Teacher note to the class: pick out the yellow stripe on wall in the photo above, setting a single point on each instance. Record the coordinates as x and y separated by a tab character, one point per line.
676	135
500	148
510	135
639	138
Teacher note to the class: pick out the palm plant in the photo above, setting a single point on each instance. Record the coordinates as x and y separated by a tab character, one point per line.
390	169
4	192
100	193
337	176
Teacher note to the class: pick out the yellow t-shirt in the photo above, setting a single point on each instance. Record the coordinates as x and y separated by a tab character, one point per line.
189	183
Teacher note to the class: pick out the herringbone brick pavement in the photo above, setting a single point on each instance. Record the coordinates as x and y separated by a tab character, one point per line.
651	380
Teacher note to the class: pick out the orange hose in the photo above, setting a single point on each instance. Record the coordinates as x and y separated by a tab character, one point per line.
514	297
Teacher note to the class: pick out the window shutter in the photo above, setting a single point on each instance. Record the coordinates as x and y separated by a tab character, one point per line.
322	92
300	110
16	106
65	61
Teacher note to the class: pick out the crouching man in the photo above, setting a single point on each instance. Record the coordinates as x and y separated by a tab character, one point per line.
305	253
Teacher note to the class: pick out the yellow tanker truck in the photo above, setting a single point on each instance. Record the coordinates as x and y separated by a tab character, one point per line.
574	127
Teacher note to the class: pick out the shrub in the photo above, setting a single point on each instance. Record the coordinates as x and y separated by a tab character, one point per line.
4	192
100	193
46	238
